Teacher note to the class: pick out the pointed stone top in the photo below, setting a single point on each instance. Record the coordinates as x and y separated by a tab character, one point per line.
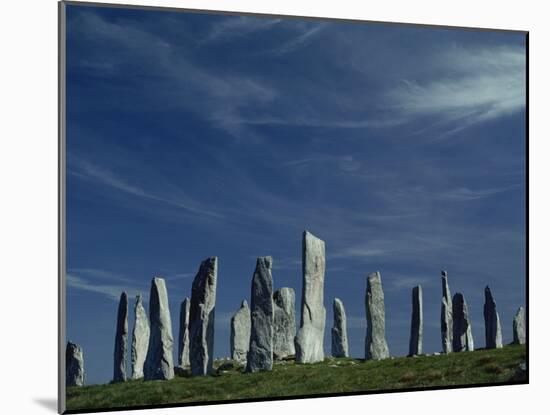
244	304
337	301
488	295
374	275
443	273
267	261
123	295
307	234
138	298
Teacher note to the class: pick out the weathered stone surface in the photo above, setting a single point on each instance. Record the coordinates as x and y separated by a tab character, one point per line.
339	330
309	340
140	339
260	350
462	328
201	318
417	322
240	334
493	332
183	339
284	323
519	327
74	365
376	347
159	363
121	340
446	315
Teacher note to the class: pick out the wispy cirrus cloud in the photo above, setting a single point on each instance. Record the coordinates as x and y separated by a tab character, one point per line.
111	291
233	27
300	40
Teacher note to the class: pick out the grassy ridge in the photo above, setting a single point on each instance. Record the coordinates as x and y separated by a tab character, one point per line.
288	379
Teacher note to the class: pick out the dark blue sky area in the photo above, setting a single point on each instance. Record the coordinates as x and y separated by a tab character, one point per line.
194	135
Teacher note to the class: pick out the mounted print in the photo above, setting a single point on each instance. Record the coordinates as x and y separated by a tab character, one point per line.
258	207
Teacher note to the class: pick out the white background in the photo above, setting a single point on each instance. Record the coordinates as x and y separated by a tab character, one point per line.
28	204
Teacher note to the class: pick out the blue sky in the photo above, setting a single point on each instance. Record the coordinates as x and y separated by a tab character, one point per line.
192	135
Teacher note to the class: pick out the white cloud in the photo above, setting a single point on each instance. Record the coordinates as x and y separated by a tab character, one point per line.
238	26
112	292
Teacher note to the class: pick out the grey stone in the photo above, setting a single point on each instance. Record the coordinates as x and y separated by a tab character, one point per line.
446	315
309	339
201	318
339	330
417	322
240	334
74	365
121	340
183	339
493	332
519	327
462	328
260	350
159	363
140	339
376	347
284	323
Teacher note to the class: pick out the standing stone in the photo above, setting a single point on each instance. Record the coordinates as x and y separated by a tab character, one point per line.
260	350
284	323
446	315
201	318
74	365
183	340
309	340
493	332
121	340
140	339
376	347
417	322
519	327
462	328
339	330
159	364
240	334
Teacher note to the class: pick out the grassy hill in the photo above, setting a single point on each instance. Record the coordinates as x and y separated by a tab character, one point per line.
289	379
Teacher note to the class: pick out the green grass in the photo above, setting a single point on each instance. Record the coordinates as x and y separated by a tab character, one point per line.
289	379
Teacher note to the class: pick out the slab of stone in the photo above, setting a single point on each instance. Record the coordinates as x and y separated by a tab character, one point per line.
140	338
201	318
240	334
376	346
183	338
417	322
309	340
159	363
284	323
260	349
121	340
519	327
446	315
74	365
493	332
339	330
462	328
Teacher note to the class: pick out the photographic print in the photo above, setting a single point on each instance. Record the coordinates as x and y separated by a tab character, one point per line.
259	207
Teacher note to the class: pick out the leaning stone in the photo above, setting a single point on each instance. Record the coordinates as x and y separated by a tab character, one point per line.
284	323
183	339
309	340
519	327
462	328
240	334
159	363
493	332
201	318
417	322
339	330
74	369
446	315
260	350
121	340
140	339
376	347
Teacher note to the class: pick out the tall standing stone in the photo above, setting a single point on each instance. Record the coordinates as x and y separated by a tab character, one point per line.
284	323
201	318
121	340
240	334
519	327
260	350
309	340
183	339
462	328
339	330
417	322
159	363
74	365
493	332
446	315
140	339
376	347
